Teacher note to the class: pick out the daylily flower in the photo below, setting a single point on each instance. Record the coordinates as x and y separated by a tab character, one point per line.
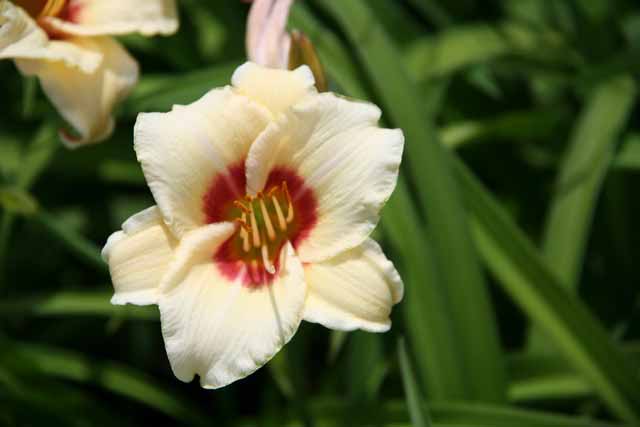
82	70
266	194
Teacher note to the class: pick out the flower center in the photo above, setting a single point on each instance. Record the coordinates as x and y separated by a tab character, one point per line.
285	211
264	221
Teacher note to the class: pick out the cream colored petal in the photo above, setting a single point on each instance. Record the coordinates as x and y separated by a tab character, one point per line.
86	100
350	163
116	17
276	89
22	38
220	329
182	151
138	257
354	290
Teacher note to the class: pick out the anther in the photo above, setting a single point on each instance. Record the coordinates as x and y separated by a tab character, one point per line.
267	220
266	262
240	206
290	203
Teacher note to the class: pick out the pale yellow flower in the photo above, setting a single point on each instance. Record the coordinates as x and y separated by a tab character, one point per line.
66	43
266	194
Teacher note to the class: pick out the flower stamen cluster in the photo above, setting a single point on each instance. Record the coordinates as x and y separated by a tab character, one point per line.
256	222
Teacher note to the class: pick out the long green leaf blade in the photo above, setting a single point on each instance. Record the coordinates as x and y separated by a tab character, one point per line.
417	410
523	274
580	179
480	374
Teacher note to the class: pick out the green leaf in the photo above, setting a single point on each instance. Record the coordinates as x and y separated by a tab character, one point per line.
523	274
161	92
329	411
579	181
17	201
551	377
77	243
459	47
68	303
113	377
38	155
417	410
628	157
367	367
480	371
580	178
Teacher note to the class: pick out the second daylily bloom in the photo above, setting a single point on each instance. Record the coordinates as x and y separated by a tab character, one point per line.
266	194
82	70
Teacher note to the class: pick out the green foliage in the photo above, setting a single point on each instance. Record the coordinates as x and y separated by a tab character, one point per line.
512	225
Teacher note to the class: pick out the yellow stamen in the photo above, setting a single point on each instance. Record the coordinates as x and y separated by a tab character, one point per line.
244	233
254	229
281	221
290	203
266	262
52	8
267	220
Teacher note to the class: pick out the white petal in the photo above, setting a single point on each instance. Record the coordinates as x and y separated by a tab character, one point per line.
86	100
219	329
350	163
276	89
182	151
354	290
115	17
138	257
22	38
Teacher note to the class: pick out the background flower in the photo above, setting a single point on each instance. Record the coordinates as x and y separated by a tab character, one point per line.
65	44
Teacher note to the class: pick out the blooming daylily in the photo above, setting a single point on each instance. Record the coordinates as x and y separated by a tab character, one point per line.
266	194
82	70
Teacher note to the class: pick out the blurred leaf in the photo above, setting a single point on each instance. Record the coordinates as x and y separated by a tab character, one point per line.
336	343
415	401
580	179
629	155
459	47
513	126
366	366
480	372
433	11
38	155
550	377
17	201
280	373
68	303
523	274
161	92
328	411
110	376
73	240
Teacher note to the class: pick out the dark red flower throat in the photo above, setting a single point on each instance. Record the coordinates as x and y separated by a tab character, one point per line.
286	210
